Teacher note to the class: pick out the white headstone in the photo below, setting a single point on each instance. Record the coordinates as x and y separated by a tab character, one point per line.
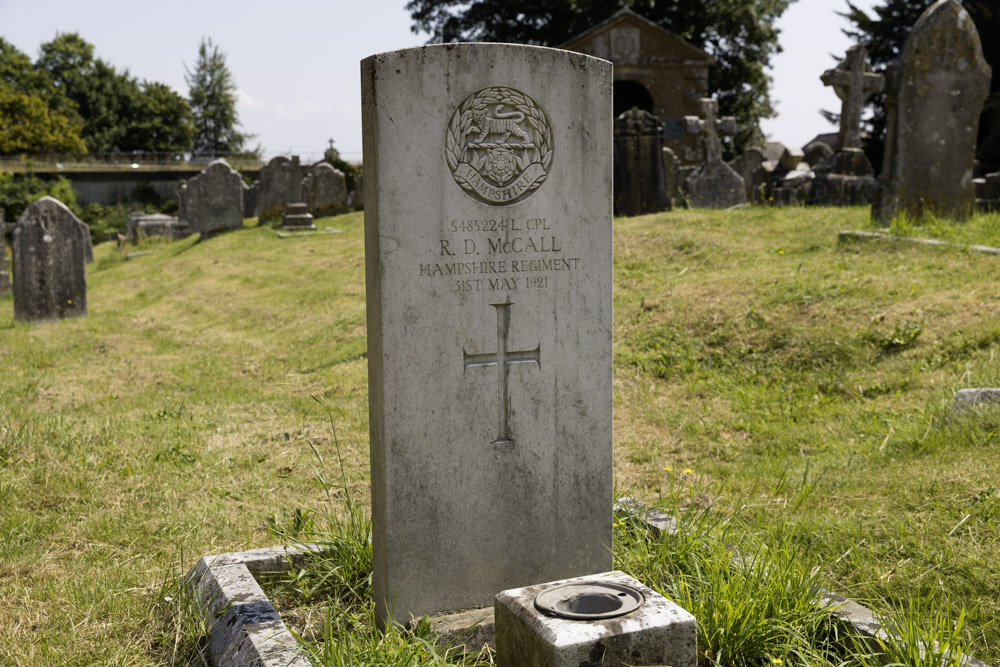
488	256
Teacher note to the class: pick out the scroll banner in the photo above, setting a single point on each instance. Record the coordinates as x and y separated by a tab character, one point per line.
500	195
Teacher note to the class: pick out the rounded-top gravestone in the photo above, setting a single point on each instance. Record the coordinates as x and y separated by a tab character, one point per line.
935	93
50	245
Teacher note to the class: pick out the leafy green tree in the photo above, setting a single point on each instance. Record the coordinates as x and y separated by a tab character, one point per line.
27	122
739	34
161	121
884	35
28	126
212	95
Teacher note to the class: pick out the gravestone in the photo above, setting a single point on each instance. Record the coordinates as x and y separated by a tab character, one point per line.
49	263
212	201
488	265
4	273
756	180
670	180
935	92
639	182
714	184
814	153
280	184
359	193
324	190
846	178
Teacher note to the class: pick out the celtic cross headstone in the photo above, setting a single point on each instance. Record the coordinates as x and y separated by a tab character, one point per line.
714	184
854	82
488	263
49	252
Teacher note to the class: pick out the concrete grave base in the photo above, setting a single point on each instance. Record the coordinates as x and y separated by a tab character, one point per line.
659	632
470	628
244	629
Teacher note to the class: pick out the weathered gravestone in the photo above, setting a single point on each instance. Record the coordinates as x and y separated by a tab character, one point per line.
670	179
4	273
935	92
488	264
639	182
212	201
756	180
816	152
846	178
714	184
280	181
324	190
49	263
359	193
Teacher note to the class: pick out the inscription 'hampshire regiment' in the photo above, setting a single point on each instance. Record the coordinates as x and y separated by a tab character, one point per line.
502	359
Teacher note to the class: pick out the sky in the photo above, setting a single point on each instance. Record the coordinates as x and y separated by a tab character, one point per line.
296	63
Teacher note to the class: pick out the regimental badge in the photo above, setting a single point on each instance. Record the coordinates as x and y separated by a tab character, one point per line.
499	146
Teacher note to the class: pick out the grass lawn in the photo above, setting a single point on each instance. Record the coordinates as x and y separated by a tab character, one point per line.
760	368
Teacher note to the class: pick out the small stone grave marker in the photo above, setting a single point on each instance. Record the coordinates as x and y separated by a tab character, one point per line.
49	263
488	263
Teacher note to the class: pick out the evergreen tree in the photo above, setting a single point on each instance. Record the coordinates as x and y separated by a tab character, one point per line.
739	34
212	95
884	35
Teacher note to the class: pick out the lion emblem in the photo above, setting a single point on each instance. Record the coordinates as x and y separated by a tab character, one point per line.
499	146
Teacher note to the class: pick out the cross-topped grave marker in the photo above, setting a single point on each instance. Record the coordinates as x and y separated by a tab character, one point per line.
487	246
854	82
710	127
714	184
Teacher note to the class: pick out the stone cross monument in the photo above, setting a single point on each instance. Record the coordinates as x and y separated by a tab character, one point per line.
854	82
710	127
714	184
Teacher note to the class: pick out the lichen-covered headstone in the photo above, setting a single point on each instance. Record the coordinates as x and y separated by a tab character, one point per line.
935	93
756	180
714	184
639	183
280	185
49	263
212	201
324	190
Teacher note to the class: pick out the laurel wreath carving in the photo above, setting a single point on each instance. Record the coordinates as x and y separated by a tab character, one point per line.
461	121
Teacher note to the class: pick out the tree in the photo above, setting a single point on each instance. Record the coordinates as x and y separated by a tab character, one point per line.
739	34
884	35
27	126
212	95
162	121
27	122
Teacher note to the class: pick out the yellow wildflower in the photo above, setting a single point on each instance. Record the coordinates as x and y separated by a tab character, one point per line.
688	471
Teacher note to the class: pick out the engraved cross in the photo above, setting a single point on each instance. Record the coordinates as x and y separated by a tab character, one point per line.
502	359
46	219
853	81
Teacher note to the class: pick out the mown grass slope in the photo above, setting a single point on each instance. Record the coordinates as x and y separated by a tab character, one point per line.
758	362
